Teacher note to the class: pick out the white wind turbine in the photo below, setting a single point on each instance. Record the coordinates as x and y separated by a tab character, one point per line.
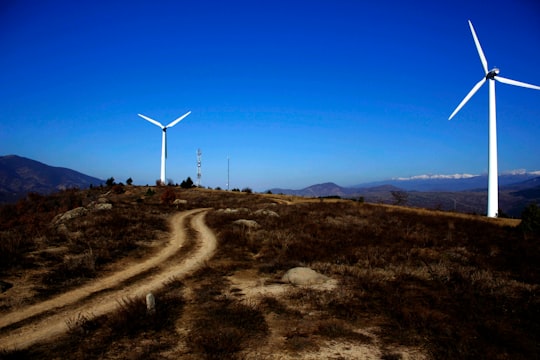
493	74
164	139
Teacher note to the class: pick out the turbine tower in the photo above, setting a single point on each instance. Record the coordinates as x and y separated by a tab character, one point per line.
164	139
492	75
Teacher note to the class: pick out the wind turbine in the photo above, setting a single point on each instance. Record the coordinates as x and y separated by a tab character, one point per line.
492	75
164	139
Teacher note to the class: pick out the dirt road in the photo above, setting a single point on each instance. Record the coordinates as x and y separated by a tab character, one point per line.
47	319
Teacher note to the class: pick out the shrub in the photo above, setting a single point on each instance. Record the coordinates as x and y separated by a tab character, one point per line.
530	219
168	196
118	189
187	184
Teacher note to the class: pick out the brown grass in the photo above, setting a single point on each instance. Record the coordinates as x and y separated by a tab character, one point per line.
451	285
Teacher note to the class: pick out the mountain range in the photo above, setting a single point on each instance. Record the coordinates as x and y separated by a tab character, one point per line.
20	176
459	192
462	193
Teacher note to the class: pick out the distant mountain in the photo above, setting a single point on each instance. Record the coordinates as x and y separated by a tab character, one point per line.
515	192
19	176
455	182
318	190
331	189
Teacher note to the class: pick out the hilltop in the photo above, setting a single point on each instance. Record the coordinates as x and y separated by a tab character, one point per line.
401	282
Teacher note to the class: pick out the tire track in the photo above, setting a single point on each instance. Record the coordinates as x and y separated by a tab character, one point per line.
75	303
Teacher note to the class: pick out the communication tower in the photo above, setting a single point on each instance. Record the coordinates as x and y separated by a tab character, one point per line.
199	154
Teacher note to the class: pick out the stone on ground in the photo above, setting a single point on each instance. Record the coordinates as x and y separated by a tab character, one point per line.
304	276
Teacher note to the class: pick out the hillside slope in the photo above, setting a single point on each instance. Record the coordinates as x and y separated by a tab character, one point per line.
19	176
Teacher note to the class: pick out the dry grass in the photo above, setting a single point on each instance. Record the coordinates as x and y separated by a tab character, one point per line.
447	285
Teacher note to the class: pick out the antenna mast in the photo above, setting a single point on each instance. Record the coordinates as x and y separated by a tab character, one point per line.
199	154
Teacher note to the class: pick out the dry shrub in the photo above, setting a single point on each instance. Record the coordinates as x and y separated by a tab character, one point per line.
168	196
226	328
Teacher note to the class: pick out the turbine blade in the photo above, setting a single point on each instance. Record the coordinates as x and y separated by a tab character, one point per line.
178	120
469	95
151	120
479	48
165	140
516	83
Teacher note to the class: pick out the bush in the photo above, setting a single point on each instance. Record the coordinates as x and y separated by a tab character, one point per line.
168	196
187	184
530	219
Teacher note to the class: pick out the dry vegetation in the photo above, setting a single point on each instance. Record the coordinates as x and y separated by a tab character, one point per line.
411	283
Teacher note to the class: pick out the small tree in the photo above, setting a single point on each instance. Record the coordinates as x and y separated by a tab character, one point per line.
187	184
110	182
129	181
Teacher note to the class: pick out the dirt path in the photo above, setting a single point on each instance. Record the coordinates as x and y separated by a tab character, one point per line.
51	315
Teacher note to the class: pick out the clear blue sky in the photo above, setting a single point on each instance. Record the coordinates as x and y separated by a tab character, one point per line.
294	92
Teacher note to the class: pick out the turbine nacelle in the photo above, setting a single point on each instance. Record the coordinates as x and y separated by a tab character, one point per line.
491	75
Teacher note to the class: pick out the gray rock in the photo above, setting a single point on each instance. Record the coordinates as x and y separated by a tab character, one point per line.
264	212
104	206
150	303
304	276
102	199
71	214
247	224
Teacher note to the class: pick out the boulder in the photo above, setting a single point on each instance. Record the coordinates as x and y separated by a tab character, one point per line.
233	211
70	214
178	202
304	276
150	303
104	206
102	199
246	224
264	212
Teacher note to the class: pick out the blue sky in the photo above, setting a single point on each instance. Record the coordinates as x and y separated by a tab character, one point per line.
294	92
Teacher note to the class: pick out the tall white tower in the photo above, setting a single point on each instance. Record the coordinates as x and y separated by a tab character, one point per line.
199	154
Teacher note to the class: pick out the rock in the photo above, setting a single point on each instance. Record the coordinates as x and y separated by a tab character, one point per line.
103	206
249	224
71	214
264	212
150	303
304	276
233	211
179	202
